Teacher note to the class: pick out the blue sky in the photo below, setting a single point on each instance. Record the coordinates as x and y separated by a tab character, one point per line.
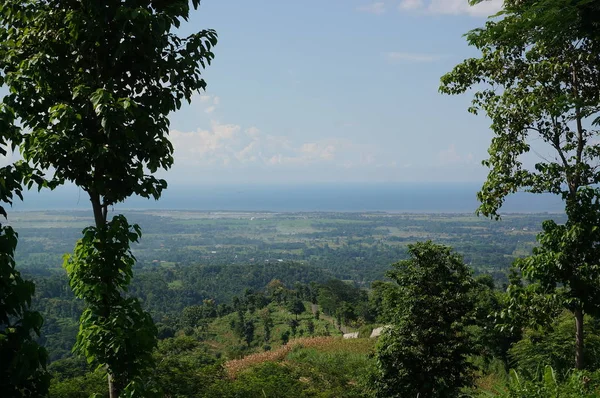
332	90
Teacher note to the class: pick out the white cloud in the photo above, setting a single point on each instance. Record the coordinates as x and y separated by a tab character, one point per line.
314	150
452	7
451	156
248	153
377	8
411	57
253	132
220	152
208	102
483	9
410	4
229	144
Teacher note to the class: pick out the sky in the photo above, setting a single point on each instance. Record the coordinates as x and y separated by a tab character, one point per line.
324	91
332	91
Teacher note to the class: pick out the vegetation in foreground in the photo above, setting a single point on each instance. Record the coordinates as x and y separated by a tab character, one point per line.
539	72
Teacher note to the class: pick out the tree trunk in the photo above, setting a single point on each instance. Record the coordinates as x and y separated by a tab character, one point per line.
100	221
578	339
99	215
113	391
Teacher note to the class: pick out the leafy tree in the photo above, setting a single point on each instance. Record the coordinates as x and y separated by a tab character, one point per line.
490	341
276	290
164	331
89	385
239	324
114	329
345	314
22	360
310	326
538	78
249	328
334	292
267	321
425	351
104	76
553	346
184	368
294	326
285	337
296	307
192	316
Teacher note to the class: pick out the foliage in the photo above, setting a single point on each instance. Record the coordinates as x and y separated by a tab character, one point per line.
267	380
184	368
84	386
105	76
533	84
538	79
425	351
267	322
248	331
325	367
578	385
568	256
490	341
114	330
296	307
554	346
22	360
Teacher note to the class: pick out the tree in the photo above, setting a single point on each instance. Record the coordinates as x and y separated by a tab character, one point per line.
22	360
104	76
538	78
490	340
267	321
345	313
249	332
192	316
310	326
293	326
276	290
285	337
424	352
296	307
552	346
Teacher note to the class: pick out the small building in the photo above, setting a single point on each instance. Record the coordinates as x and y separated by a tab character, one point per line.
378	331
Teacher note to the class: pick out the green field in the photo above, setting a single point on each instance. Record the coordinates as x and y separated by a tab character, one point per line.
357	246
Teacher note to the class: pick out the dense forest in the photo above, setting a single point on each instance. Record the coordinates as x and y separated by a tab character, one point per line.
185	304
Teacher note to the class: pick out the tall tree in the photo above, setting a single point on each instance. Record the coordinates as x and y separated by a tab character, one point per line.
22	360
538	80
296	307
267	321
424	352
93	83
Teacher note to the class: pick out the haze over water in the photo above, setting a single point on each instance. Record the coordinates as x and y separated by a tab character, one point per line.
392	197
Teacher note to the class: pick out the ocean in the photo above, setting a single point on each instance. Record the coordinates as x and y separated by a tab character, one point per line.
357	197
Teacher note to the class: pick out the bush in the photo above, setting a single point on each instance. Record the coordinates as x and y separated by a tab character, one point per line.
555	346
578	384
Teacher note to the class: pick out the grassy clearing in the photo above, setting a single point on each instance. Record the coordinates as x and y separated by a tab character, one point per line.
221	335
317	352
